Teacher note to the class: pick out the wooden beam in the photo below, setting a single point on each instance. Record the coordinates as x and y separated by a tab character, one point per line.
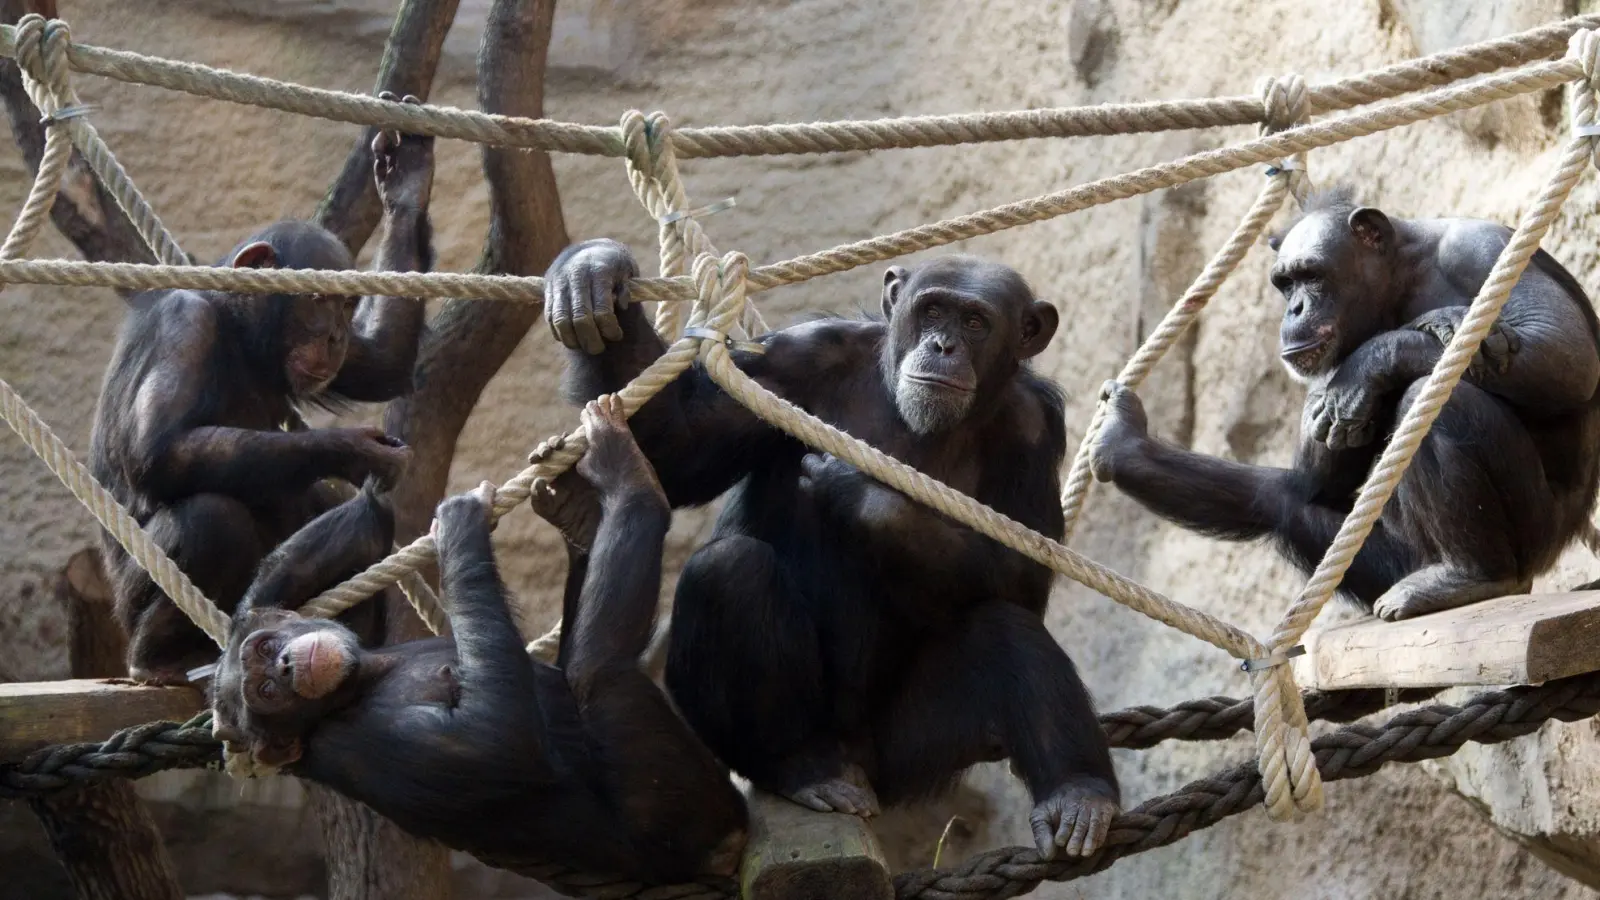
797	854
38	714
1525	639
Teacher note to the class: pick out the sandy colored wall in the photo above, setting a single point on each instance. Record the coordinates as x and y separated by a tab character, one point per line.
215	170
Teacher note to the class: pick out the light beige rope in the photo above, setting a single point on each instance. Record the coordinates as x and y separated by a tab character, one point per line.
438	285
1285	99
567	450
1288	766
36	41
45	75
822	137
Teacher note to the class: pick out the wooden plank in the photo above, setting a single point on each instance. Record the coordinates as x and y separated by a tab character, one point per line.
1525	639
38	714
797	854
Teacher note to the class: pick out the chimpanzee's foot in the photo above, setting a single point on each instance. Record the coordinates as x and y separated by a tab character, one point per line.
848	792
403	164
1439	587
614	463
723	861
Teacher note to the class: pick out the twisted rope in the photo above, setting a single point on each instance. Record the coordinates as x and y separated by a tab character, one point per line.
42	48
1281	725
816	137
1286	99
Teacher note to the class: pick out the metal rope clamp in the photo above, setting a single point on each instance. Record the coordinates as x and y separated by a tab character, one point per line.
711	334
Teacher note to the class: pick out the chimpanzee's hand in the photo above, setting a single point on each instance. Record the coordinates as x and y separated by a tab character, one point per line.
1076	818
1123	431
833	484
464	511
584	290
374	454
403	164
1342	413
614	464
1494	354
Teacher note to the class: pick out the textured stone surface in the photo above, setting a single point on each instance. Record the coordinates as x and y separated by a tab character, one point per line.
214	170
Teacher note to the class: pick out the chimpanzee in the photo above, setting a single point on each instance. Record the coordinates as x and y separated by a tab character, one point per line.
1502	483
836	642
197	430
468	740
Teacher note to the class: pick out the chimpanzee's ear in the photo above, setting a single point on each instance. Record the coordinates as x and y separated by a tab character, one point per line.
275	750
1038	327
894	278
258	255
1372	228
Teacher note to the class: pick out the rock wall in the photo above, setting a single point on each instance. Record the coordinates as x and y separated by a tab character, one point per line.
215	170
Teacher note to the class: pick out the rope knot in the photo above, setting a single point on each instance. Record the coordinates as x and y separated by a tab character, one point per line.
1286	103
1584	47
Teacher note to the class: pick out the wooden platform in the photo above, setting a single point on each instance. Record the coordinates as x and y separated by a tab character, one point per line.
1526	639
797	854
38	714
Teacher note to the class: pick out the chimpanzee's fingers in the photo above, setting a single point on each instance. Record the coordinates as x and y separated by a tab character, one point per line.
1044	837
1321	425
566	333
583	324
809	799
602	294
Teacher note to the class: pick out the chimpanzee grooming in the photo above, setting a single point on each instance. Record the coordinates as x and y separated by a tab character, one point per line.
191	429
836	642
1501	484
468	740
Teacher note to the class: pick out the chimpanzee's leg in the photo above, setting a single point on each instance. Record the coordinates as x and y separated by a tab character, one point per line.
1475	503
746	668
1000	685
214	540
336	544
677	807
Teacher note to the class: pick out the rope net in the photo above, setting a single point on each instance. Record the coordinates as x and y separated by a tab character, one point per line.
704	294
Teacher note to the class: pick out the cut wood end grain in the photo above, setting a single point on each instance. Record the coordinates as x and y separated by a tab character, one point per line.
797	854
1524	639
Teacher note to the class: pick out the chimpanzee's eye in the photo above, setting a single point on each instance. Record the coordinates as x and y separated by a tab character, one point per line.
265	648
267	690
974	322
934	313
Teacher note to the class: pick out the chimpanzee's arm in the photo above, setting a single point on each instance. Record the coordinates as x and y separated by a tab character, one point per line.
172	453
700	441
332	547
621	584
386	330
496	676
1212	496
1552	363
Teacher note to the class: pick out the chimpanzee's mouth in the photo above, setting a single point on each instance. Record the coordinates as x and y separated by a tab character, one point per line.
1310	348
939	381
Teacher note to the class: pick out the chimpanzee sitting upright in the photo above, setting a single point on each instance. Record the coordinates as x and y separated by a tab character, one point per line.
836	642
1501	484
467	740
189	432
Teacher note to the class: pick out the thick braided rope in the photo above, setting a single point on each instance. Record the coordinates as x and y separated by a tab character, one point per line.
110	514
566	450
820	137
1354	751
444	285
1285	99
142	750
36	41
1285	720
1351	752
958	506
653	173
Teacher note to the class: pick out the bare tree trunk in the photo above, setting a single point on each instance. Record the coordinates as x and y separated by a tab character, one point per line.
102	833
370	858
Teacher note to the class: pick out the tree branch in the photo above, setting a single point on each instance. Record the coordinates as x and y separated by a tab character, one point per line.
351	208
84	211
469	341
